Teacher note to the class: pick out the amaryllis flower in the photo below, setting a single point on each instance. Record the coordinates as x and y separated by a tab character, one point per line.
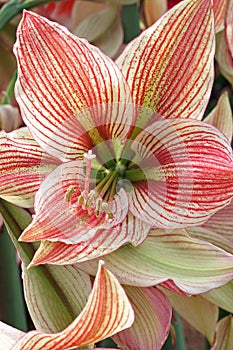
107	312
134	153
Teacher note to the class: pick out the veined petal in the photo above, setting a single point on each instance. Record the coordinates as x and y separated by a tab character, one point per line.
57	219
224	334
196	310
170	65
107	312
103	242
221	116
195	266
70	94
153	9
152	320
188	173
23	166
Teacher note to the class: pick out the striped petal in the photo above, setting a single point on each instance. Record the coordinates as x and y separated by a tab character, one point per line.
23	166
102	243
224	334
221	116
187	169
70	94
152	320
194	265
170	65
107	312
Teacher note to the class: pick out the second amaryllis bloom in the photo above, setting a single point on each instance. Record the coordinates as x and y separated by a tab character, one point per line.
130	149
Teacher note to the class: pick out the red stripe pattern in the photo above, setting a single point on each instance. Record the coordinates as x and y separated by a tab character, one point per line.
24	165
188	168
70	94
170	66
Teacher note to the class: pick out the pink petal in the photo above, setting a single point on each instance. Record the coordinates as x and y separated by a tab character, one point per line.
102	243
71	95
222	222
229	27
152	320
221	116
197	311
9	336
23	166
170	65
224	57
224	334
220	8
107	312
188	171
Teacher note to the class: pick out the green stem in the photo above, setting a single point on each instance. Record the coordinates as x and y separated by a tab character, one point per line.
9	94
180	342
130	22
14	7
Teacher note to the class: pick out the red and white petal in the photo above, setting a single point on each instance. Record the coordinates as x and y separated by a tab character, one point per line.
153	313
57	219
224	334
170	65
195	266
188	172
221	116
23	166
104	242
70	94
107	312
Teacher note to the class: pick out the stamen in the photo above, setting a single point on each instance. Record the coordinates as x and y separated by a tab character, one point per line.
69	193
89	156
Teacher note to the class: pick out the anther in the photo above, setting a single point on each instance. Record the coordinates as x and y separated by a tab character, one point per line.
98	208
107	211
69	193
